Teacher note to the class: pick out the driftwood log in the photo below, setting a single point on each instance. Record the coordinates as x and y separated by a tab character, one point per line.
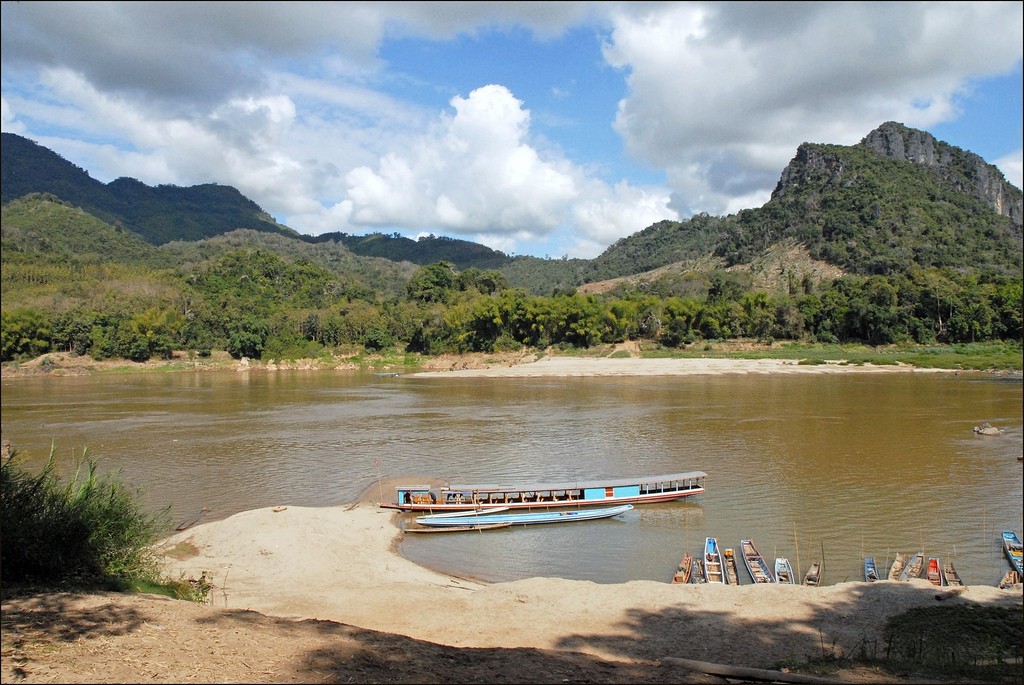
743	673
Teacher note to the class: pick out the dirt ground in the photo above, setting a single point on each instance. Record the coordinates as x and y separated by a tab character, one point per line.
135	638
114	638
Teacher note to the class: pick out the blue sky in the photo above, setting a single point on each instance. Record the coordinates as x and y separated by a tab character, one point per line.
544	128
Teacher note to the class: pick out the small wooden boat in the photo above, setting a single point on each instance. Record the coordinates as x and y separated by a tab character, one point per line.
757	567
1010	578
898	564
870	569
913	568
813	575
934	573
682	574
523	518
951	575
1013	551
714	572
612	491
732	574
698	577
784	571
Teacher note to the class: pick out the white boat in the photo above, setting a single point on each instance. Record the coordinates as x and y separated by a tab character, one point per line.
522	518
784	571
612	491
714	571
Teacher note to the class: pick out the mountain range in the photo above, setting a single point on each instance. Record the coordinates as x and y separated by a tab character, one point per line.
900	199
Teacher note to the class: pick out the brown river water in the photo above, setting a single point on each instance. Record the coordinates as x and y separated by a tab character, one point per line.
811	467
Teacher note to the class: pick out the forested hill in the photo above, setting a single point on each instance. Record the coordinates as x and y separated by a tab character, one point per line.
158	215
900	199
898	239
896	201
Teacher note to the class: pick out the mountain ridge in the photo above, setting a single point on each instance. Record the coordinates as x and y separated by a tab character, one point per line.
899	198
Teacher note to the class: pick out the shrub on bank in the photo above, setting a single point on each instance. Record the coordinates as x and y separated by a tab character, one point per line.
88	532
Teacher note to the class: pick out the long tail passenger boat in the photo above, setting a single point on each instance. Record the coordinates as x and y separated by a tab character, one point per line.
609	492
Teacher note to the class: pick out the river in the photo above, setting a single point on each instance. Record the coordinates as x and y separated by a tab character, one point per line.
811	467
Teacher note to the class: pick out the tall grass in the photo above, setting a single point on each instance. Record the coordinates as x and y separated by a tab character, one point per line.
87	532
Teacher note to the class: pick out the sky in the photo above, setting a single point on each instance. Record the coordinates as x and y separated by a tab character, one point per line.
550	129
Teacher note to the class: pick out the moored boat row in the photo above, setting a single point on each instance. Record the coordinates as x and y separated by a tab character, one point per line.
720	567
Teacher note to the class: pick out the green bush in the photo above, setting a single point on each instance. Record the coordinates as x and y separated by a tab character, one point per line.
87	532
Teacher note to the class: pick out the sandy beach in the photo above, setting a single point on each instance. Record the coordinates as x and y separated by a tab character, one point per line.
531	367
340	564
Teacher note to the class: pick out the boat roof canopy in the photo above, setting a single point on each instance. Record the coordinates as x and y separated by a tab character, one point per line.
576	485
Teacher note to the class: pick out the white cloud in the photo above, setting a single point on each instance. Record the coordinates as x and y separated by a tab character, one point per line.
1012	166
474	172
721	94
290	103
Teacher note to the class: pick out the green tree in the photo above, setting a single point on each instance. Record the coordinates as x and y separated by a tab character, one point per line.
433	283
248	338
24	332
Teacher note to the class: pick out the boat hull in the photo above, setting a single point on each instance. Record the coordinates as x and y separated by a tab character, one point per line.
521	518
913	568
714	570
951	575
813	575
784	571
1012	550
756	566
682	574
732	574
870	569
898	564
935	572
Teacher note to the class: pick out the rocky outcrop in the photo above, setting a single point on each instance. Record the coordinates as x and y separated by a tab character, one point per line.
964	170
987	429
811	164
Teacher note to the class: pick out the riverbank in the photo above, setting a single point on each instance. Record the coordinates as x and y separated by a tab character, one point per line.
321	595
628	358
341	564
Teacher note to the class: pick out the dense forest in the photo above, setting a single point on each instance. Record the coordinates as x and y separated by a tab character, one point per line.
856	245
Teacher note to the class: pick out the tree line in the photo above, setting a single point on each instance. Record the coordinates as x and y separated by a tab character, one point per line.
255	304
